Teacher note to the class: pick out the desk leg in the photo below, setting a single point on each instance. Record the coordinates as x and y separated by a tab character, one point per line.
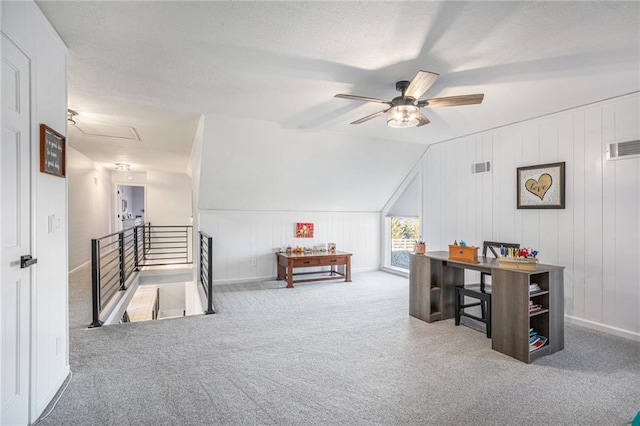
348	270
290	274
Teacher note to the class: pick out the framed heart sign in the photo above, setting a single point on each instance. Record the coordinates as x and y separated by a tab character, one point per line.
541	187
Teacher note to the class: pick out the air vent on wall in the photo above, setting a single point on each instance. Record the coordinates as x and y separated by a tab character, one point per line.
620	150
484	167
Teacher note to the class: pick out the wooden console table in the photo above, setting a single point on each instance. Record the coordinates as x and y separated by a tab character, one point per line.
432	282
288	262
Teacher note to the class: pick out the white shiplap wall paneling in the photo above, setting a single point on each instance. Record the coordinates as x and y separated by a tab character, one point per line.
530	231
548	153
627	219
462	176
593	159
504	172
609	206
518	151
487	191
595	237
579	239
239	237
566	219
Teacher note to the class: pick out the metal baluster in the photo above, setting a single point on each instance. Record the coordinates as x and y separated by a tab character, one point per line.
95	283
123	272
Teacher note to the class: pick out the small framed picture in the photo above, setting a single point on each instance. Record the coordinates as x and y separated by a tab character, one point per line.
541	187
304	230
52	152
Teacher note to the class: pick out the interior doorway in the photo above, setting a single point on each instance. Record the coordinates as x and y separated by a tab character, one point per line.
130	206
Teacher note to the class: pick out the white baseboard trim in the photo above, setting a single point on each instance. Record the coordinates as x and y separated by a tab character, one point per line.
365	269
395	271
80	267
273	277
604	328
244	280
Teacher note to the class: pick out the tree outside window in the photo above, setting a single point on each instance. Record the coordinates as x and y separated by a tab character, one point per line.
405	231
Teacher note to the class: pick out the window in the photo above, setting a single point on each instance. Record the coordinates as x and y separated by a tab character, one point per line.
405	231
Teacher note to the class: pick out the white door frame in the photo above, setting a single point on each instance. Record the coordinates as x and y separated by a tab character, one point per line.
116	202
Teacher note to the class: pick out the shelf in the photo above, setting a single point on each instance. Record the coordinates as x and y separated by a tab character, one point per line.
538	293
541	351
435	288
542	311
436	316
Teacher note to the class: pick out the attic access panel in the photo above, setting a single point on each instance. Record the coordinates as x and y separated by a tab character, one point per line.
109	131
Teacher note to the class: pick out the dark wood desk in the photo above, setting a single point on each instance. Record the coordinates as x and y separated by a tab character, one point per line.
288	262
432	282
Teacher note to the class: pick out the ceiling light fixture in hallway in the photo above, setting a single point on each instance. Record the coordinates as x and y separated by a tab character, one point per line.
70	114
122	167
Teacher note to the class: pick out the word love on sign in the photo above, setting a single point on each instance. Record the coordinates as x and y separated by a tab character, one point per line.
539	187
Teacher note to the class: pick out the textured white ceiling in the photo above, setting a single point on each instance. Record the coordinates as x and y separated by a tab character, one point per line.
156	66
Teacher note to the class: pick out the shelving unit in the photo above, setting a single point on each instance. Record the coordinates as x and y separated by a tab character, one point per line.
432	280
429	302
511	308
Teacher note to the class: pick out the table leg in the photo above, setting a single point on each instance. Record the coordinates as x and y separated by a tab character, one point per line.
281	272
348	272
290	274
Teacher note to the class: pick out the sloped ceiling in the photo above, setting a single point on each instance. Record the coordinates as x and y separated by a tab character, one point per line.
256	165
156	66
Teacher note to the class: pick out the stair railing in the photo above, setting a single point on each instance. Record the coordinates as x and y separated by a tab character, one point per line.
206	269
115	257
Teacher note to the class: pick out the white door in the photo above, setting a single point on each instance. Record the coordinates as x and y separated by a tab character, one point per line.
15	197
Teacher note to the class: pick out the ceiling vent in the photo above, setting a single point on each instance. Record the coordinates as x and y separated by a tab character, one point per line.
109	131
620	150
484	167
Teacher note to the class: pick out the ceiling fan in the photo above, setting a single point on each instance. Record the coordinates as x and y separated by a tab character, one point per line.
404	110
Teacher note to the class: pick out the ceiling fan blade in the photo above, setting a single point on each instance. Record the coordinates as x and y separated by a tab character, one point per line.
421	83
452	101
362	98
369	117
422	119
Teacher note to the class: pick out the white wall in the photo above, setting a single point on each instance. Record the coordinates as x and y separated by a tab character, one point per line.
193	170
596	237
28	29
256	165
168	198
239	237
89	186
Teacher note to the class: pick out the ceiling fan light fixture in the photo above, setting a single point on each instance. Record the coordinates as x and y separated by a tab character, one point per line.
404	110
403	116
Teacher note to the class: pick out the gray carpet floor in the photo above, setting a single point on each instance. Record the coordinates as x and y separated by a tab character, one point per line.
332	353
